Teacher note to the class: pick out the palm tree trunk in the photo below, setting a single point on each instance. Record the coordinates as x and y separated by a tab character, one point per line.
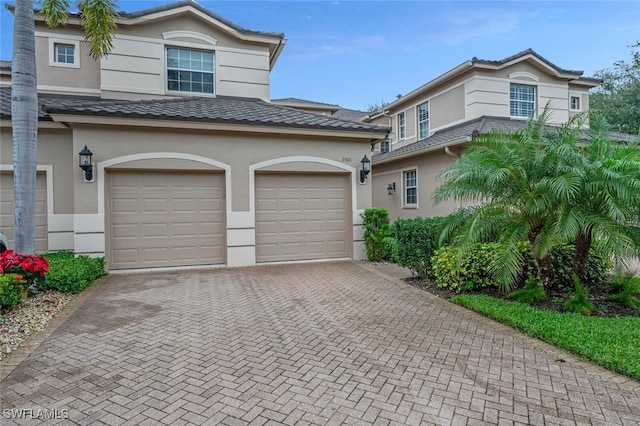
543	264
583	245
24	124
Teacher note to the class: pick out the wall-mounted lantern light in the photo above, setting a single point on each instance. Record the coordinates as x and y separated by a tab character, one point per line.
391	188
366	168
85	163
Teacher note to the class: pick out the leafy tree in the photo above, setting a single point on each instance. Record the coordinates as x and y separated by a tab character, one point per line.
618	97
375	107
514	190
98	21
546	186
606	204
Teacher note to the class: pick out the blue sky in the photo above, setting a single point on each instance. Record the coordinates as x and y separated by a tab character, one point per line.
357	53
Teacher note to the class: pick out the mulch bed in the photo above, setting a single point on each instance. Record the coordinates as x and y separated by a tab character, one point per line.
554	301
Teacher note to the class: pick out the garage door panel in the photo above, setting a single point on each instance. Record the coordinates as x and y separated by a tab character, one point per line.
7	210
155	230
301	217
166	218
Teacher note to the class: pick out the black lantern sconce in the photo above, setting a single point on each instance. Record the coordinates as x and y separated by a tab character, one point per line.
366	169
85	163
391	188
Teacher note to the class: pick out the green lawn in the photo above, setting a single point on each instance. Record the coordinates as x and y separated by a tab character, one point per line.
613	343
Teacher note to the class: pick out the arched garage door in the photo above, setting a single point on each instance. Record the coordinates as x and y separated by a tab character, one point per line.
165	218
7	206
302	217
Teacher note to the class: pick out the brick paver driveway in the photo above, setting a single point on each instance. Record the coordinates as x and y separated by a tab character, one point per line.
325	343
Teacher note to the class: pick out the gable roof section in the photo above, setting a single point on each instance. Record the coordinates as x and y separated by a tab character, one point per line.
303	103
275	40
218	110
451	136
350	114
528	54
461	133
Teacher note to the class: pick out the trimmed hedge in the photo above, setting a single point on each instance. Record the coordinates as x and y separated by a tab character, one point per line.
376	233
416	243
71	274
10	291
473	271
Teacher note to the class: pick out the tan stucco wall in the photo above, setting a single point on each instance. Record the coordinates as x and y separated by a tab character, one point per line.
135	67
237	150
188	22
447	108
428	166
87	77
55	149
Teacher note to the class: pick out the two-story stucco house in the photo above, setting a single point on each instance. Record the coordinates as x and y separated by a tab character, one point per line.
192	165
432	124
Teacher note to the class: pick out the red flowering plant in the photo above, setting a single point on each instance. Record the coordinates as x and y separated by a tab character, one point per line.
30	267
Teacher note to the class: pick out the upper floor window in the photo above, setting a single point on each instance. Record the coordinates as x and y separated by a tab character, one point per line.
65	53
410	187
522	100
402	128
190	70
385	146
575	103
423	120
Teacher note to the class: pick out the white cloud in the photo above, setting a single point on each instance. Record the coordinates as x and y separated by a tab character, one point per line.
319	47
457	27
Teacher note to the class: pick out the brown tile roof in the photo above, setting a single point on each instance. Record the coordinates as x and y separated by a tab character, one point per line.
303	103
221	110
176	5
458	134
526	52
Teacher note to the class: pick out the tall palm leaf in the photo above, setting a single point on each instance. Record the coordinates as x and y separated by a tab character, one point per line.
98	21
607	206
518	185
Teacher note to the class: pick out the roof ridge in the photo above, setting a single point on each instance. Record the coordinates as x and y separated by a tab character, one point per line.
528	51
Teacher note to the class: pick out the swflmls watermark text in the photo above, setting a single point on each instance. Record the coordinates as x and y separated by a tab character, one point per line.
35	413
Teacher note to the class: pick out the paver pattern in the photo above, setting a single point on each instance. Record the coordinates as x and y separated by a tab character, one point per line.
323	343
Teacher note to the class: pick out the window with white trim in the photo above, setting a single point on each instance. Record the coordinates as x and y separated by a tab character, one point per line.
385	146
423	120
522	100
64	53
402	127
574	103
190	70
410	188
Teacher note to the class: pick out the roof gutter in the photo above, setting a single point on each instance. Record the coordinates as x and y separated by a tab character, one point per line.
454	142
372	136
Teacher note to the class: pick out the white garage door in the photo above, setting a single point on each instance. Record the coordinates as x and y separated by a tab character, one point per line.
6	210
302	217
165	218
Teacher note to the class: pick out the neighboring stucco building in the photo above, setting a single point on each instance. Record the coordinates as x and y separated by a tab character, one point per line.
191	163
431	124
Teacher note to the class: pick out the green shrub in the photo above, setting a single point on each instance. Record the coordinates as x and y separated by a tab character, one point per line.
596	270
579	302
391	246
628	287
530	294
474	268
10	291
376	231
417	241
71	274
465	273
